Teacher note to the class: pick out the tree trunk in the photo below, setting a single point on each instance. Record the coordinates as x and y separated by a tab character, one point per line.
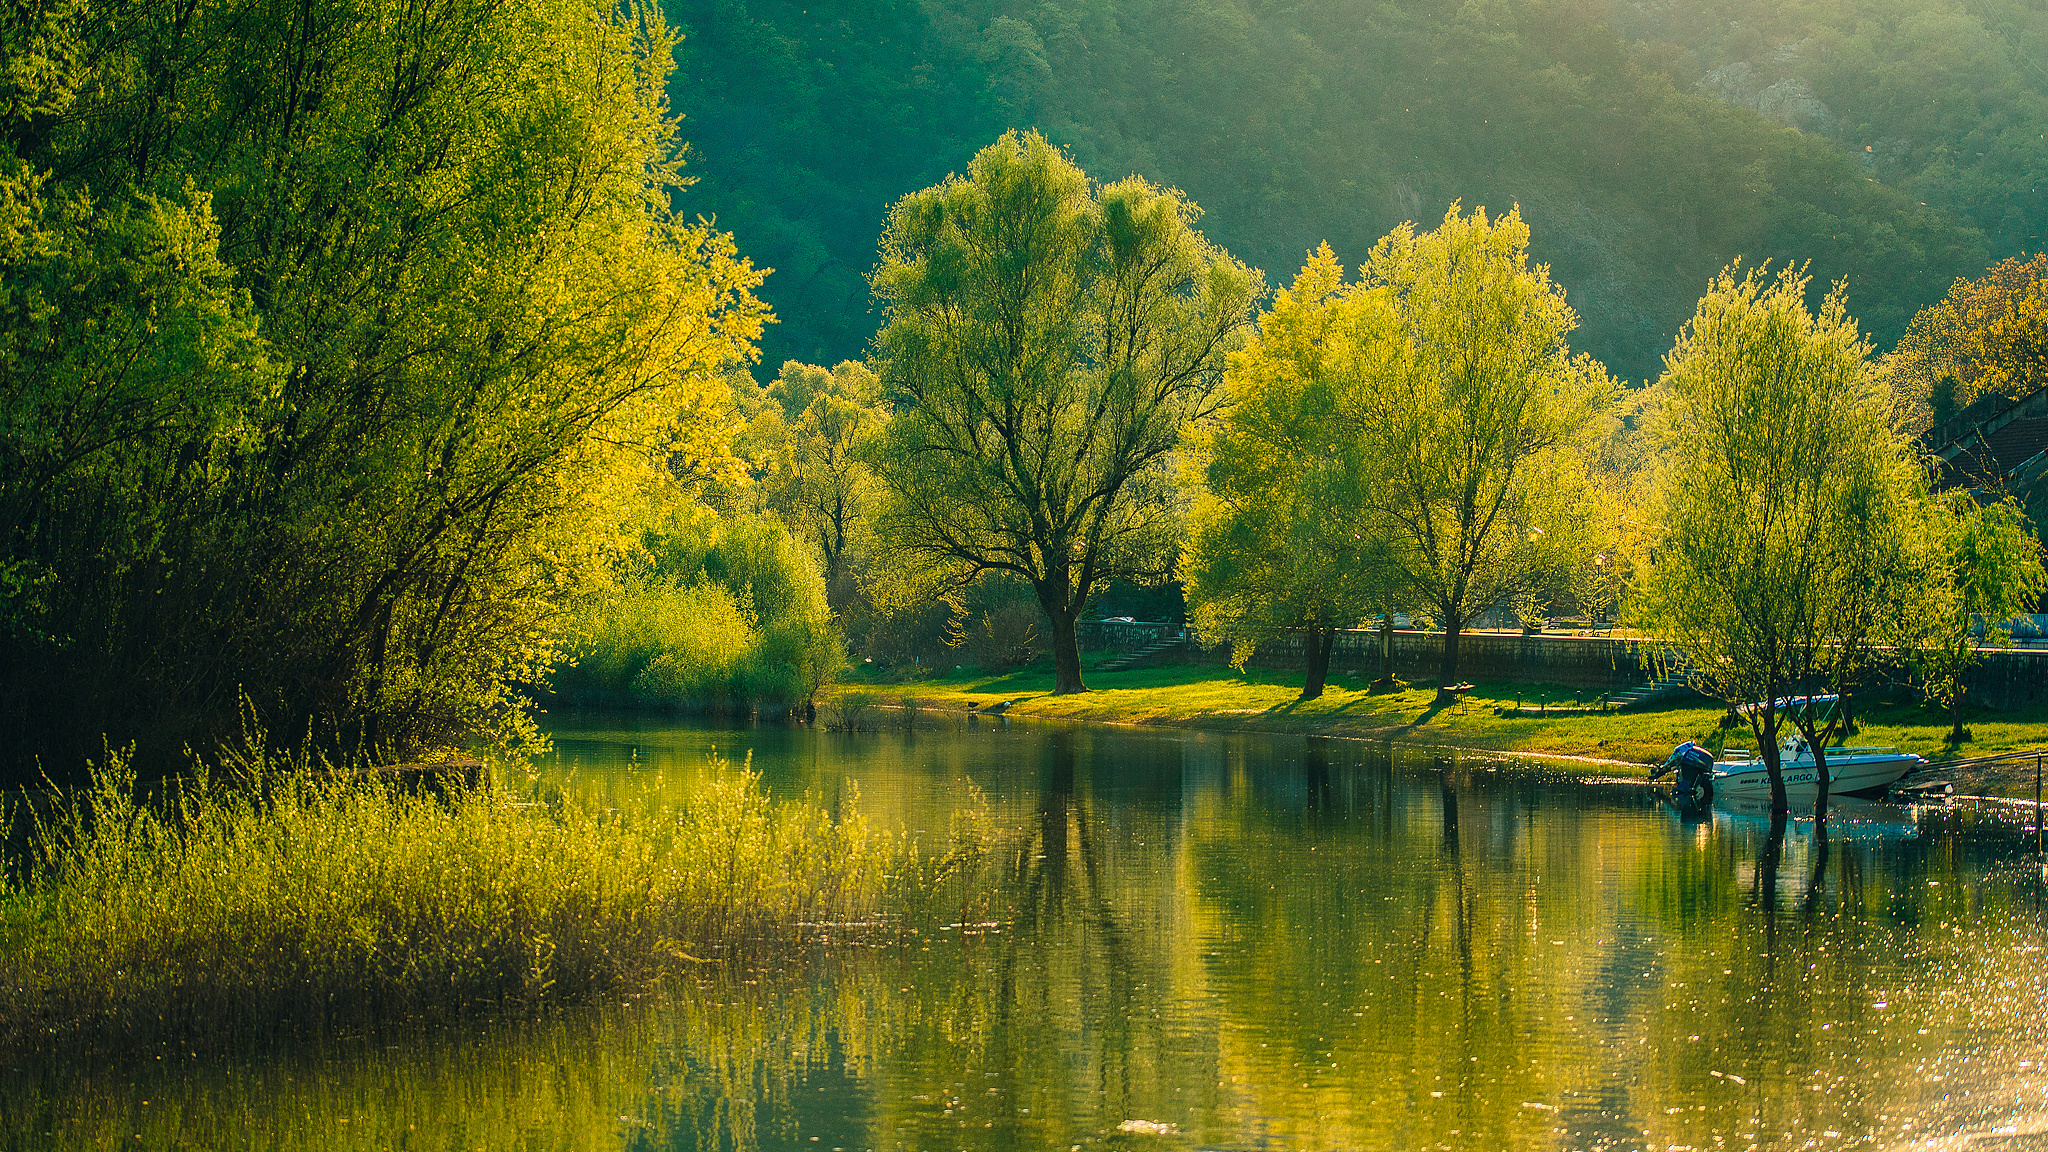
836	584
1820	779
1387	647
1766	731
1066	652
1447	670
1321	641
1956	734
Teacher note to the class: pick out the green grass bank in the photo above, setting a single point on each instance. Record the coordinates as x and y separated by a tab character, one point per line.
338	902
1216	698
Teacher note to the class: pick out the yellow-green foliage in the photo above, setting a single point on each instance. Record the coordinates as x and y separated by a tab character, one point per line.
1039	386
725	611
332	899
665	644
347	410
1274	542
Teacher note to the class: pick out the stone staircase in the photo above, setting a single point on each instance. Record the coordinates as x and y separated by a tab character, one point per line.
1658	689
1134	658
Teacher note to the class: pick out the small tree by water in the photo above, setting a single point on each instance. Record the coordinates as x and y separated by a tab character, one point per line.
1784	509
1985	569
1476	426
1277	542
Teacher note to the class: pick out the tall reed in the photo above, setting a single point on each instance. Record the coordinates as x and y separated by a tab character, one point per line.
328	899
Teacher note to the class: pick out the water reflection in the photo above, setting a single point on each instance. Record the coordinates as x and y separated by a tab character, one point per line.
1263	944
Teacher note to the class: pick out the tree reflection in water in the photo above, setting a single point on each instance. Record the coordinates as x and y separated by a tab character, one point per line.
1308	945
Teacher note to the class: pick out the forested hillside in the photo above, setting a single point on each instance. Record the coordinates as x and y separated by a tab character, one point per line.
1896	143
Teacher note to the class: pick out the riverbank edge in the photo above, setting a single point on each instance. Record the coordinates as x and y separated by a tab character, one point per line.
1387	735
1653	731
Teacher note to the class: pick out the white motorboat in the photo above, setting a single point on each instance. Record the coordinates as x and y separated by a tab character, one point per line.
1740	772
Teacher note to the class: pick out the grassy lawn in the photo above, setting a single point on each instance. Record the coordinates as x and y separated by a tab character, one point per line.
1262	700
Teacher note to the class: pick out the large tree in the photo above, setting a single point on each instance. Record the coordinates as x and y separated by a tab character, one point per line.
337	341
1046	342
1276	543
1785	504
1476	419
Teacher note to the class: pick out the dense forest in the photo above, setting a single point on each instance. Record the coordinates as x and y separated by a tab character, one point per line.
1897	144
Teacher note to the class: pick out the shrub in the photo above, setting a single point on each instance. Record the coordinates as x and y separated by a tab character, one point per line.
998	638
994	624
723	613
703	649
851	712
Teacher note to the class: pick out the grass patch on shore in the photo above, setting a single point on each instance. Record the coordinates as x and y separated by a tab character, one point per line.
335	901
1218	698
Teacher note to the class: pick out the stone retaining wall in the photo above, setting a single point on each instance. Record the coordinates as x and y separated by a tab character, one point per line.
1573	661
2005	679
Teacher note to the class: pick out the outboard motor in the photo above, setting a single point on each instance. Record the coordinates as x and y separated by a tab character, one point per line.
1695	768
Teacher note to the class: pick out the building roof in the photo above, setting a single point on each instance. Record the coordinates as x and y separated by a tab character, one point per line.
1990	459
1996	442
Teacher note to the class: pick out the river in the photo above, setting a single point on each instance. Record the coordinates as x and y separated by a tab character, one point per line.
1186	940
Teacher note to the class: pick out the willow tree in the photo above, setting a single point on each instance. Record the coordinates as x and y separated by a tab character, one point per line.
1046	342
1785	506
1477	422
329	381
1276	543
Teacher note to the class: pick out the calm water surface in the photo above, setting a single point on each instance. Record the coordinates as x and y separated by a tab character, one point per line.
1194	941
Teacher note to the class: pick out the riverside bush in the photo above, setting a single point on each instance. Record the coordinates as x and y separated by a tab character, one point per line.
661	644
332	900
724	613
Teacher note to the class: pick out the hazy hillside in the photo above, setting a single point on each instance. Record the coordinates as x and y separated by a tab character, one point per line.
1944	101
1647	143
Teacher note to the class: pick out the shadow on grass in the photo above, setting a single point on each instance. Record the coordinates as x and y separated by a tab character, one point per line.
1427	715
1359	707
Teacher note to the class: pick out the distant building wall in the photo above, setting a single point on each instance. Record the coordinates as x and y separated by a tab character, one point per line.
1596	662
2003	679
2007	680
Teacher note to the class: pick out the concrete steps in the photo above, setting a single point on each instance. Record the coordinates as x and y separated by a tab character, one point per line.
1659	689
1132	659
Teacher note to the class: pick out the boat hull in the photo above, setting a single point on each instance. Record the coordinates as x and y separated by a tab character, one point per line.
1852	776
